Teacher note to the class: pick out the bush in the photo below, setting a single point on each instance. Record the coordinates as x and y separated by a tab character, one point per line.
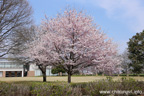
73	89
58	69
141	75
130	75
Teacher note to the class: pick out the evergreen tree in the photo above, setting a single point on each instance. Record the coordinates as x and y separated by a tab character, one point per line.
136	50
58	69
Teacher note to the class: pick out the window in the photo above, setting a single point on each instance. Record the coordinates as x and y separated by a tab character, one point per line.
10	65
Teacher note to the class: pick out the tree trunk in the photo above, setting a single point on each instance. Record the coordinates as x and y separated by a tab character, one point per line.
69	72
69	78
44	76
43	70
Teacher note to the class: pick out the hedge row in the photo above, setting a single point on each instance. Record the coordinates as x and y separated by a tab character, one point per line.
73	89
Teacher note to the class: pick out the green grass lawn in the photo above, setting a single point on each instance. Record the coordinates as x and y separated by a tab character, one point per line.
75	79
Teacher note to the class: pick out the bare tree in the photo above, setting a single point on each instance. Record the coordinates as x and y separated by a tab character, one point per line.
13	14
22	37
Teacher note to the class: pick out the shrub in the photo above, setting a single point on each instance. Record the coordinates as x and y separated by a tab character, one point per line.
73	89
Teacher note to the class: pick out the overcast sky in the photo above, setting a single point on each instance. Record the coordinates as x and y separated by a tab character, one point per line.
119	19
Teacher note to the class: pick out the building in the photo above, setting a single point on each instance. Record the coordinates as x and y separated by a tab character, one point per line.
33	69
11	68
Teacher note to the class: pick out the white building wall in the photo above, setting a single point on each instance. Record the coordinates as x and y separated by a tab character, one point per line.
33	67
38	71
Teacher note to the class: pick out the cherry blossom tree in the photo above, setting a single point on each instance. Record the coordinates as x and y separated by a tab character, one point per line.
74	41
112	65
40	53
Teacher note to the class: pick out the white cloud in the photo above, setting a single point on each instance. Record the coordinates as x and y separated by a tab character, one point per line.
130	12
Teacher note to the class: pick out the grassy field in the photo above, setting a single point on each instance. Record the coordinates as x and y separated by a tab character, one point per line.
75	79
